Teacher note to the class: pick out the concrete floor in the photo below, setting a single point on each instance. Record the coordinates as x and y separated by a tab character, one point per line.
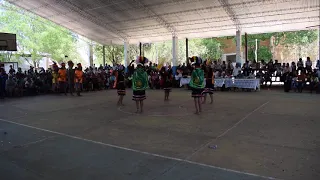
259	135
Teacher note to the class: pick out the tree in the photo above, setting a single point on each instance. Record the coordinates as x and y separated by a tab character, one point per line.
213	48
263	52
295	39
113	53
300	39
37	36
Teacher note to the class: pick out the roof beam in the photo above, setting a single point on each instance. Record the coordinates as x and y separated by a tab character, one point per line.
73	8
271	13
245	25
226	6
95	20
210	9
156	17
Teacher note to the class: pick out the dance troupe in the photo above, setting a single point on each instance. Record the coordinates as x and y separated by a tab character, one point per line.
63	78
201	83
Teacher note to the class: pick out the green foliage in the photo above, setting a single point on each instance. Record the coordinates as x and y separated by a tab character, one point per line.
263	53
213	48
113	54
296	38
37	36
300	37
283	38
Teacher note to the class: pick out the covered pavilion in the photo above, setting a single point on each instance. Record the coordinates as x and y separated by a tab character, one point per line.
144	21
248	136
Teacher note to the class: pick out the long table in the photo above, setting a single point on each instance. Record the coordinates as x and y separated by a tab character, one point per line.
230	82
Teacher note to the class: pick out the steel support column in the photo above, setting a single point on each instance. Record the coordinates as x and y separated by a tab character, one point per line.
246	45
187	51
319	43
104	55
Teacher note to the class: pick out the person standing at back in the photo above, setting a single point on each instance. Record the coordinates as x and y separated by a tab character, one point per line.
63	78
309	65
78	78
120	84
70	75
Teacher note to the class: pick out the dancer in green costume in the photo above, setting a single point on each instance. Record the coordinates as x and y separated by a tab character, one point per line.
140	83
197	83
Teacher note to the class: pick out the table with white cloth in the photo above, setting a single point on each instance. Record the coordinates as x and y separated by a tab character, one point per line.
238	83
230	82
184	81
219	82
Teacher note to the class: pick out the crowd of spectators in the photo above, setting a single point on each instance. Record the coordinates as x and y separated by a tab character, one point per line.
39	81
300	74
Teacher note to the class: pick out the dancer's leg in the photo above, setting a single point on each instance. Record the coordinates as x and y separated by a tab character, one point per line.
199	104
211	97
65	88
71	88
121	100
137	106
204	99
141	106
196	105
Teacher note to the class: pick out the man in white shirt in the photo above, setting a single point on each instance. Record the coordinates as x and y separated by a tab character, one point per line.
236	70
309	64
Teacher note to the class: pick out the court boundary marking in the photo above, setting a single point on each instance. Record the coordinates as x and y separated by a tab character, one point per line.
138	151
156	115
180	106
219	136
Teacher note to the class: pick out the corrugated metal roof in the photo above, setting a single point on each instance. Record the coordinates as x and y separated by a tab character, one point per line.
114	21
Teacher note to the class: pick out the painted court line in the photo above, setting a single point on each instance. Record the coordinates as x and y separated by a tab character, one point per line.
241	120
137	151
211	141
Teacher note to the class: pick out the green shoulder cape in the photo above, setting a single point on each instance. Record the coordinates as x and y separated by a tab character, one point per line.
139	80
197	79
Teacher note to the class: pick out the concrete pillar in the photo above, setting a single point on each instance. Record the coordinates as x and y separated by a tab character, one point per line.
126	54
104	55
157	55
238	47
319	42
174	53
90	54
